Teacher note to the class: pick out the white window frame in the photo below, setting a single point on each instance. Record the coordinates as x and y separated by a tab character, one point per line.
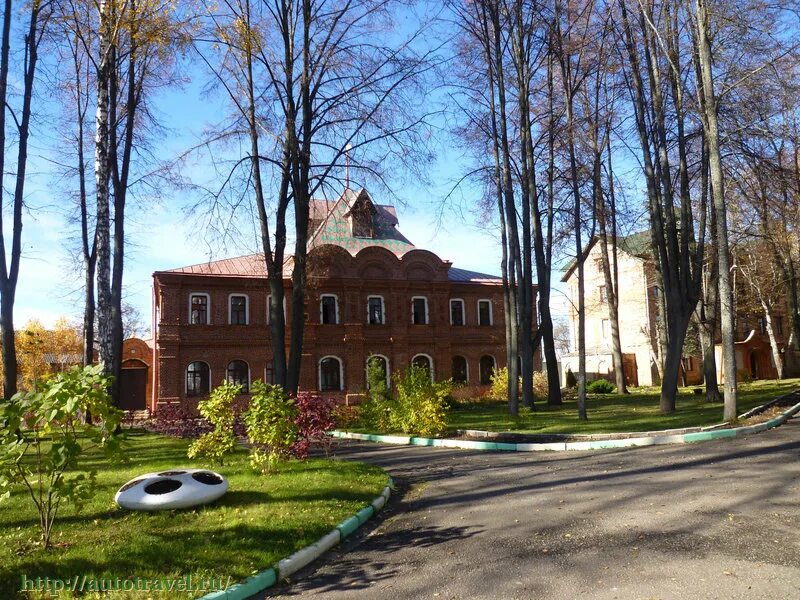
388	368
463	311
427	311
249	373
269	302
466	362
430	360
336	307
265	371
494	362
383	310
491	313
208	307
246	308
186	376
341	373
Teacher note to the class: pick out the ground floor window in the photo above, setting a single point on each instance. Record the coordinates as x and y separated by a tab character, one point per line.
459	371
330	374
381	364
197	379
269	372
487	367
239	373
423	361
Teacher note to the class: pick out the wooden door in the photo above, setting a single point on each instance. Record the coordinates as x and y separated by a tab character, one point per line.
629	367
132	389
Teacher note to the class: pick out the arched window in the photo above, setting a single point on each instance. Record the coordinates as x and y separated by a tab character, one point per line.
460	373
197	379
382	363
486	367
330	374
239	372
424	362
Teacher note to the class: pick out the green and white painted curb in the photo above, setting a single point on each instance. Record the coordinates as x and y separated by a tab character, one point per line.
650	440
291	564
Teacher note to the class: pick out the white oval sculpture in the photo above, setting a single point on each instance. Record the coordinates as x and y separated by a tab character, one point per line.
177	488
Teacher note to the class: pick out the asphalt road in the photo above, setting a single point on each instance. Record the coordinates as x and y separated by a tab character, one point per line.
717	519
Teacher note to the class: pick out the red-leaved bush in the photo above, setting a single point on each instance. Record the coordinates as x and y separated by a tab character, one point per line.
176	421
314	418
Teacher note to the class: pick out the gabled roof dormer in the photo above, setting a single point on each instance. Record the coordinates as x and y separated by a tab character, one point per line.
361	216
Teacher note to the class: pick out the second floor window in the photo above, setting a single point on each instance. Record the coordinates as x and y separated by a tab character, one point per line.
484	312
198	314
603	294
329	310
375	310
419	311
238	309
457	312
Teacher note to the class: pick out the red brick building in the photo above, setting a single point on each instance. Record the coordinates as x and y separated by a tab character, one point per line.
370	292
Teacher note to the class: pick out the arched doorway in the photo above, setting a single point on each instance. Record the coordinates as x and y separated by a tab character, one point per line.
133	385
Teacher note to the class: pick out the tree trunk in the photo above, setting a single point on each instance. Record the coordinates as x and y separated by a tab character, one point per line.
718	194
9	273
102	178
544	250
777	359
611	279
672	369
7	292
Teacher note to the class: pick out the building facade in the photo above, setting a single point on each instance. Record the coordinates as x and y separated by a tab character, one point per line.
370	293
639	319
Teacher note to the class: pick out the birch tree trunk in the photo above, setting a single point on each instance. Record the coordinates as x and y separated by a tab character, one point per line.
102	177
710	123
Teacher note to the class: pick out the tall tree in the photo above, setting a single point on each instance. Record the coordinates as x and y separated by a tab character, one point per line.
138	44
306	89
35	18
709	111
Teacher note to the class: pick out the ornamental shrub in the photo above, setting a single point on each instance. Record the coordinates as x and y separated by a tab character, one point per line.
217	409
421	406
314	418
43	443
376	412
176	421
499	384
540	389
346	416
600	386
271	425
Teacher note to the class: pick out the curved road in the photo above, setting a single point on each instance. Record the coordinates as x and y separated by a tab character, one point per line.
717	519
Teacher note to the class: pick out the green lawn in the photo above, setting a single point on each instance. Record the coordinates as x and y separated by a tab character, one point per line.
259	521
612	413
